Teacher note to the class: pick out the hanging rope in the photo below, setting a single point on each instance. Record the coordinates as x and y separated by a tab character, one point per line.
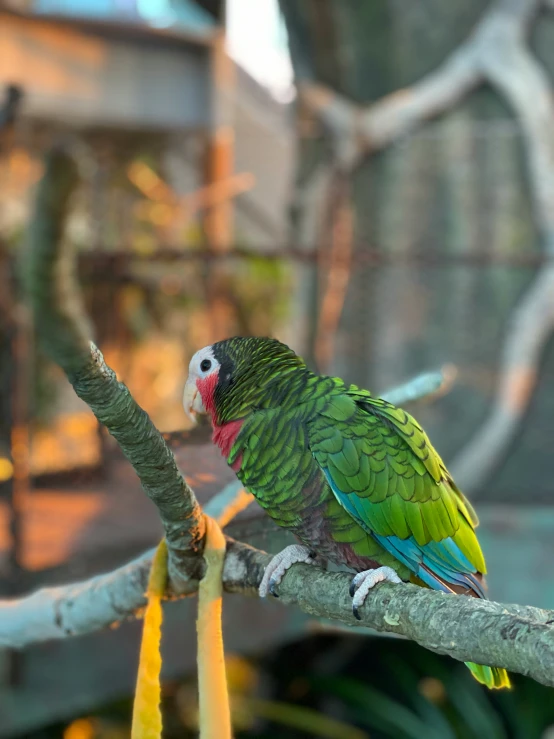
215	715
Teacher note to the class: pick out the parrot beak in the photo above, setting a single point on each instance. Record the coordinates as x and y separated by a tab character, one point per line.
192	401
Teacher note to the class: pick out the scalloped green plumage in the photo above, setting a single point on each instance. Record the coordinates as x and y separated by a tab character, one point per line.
354	477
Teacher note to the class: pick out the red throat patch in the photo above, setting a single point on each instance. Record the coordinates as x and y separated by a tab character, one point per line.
223	436
206	387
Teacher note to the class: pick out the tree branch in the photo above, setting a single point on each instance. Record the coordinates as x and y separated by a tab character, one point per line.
426	385
65	333
519	638
83	607
357	130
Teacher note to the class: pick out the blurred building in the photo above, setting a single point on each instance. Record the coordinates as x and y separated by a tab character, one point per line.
151	74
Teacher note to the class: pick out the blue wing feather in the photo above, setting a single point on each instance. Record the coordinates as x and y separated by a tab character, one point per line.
433	562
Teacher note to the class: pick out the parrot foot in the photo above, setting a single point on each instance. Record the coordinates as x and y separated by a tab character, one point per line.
279	565
363	582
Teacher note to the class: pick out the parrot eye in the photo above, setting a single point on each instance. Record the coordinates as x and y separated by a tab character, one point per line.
205	365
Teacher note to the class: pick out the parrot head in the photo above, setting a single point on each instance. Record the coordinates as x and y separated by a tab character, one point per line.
231	378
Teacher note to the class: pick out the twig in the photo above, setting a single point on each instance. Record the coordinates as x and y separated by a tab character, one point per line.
65	333
423	386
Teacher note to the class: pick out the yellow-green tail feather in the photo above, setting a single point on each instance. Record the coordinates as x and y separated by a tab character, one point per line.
492	677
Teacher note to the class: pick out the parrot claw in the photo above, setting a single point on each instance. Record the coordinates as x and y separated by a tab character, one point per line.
280	564
363	582
273	582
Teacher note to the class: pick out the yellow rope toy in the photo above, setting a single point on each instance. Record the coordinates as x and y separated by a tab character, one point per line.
215	714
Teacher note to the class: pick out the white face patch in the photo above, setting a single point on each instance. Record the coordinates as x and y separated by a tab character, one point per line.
201	366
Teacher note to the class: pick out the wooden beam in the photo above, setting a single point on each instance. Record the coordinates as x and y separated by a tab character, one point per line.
218	221
220	145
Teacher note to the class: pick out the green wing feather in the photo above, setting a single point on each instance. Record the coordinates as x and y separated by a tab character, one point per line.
385	472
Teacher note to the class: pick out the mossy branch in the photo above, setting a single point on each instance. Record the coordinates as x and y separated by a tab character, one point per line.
519	638
65	333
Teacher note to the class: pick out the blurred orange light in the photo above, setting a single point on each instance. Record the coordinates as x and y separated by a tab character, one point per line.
205	477
433	689
83	728
6	469
147	181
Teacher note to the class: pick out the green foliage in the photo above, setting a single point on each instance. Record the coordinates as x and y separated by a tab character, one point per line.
262	287
379	688
397	690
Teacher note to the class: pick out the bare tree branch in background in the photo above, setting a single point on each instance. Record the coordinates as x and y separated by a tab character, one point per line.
495	53
356	130
515	73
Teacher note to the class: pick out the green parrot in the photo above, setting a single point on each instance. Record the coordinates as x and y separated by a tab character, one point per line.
355	478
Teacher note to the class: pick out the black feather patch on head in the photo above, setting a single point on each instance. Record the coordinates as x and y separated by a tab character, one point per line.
241	353
252	374
226	364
